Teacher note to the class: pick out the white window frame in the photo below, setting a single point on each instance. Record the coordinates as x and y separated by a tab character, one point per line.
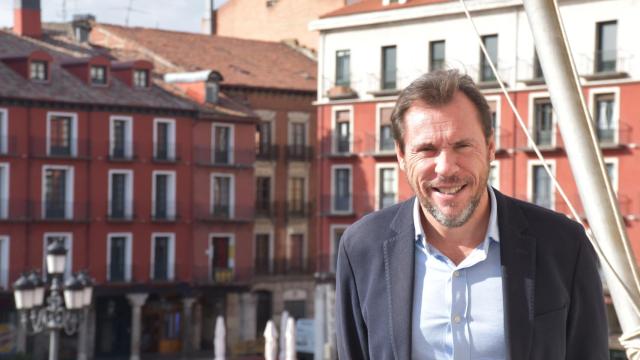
532	117
333	181
379	107
334	111
552	165
74	130
171	196
593	93
171	151
496	135
271	247
4	131
332	246
128	136
128	255
5	247
616	171
68	244
385	166
231	262
232	191
5	168
231	141
128	190
171	258
495	164
68	211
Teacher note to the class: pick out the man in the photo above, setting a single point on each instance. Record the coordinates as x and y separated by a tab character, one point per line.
462	271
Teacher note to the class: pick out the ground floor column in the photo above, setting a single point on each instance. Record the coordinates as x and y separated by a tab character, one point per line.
136	301
187	325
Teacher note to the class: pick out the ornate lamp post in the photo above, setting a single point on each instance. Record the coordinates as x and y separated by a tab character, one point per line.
63	303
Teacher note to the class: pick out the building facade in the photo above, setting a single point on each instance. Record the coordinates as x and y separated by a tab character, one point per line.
369	51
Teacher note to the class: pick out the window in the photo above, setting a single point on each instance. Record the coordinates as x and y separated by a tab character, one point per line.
264	310
298	139
494	110
387	186
494	175
295	259
222	195
121	145
263	140
119	257
61	134
537	68
336	235
212	92
263	195
164	195
543	122
222	250
296	196
57	192
4	190
436	55
385	135
39	70
4	262
98	74
604	118
4	134
67	241
262	257
491	44
141	78
121	194
222	144
343	64
162	264
611	165
542	187
343	131
606	44
388	68
341	199
165	141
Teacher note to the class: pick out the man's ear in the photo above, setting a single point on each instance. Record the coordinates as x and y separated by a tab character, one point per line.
400	156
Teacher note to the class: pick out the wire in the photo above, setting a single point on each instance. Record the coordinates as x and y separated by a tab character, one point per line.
557	185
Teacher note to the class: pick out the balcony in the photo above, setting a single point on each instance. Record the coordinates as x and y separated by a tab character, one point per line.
217	275
299	152
8	146
348	205
119	212
614	137
298	209
162	272
69	149
267	152
608	64
335	146
164	211
13	210
265	209
223	213
60	211
123	152
264	266
378	146
235	158
166	152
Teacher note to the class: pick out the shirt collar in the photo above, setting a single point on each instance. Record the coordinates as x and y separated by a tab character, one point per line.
492	230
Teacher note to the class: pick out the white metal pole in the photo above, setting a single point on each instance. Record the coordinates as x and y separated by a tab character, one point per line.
598	198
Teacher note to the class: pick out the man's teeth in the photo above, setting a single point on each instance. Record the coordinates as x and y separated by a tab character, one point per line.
449	191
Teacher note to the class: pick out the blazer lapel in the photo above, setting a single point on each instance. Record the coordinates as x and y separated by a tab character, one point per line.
518	257
398	252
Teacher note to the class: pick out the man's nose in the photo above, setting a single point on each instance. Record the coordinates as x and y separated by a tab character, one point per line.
446	163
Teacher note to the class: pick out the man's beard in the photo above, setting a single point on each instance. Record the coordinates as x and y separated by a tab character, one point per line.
465	215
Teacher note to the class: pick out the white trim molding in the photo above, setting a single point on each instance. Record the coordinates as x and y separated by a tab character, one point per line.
73	142
171	258
534	163
386	166
127	256
333	189
334	111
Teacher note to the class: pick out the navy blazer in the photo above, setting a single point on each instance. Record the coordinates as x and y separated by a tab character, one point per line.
553	301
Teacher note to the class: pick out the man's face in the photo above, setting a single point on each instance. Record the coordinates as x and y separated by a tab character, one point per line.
446	158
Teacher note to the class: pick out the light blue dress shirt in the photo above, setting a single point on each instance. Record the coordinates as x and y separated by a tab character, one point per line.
458	309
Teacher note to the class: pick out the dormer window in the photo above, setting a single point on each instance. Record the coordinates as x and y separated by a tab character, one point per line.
212	90
141	78
98	74
38	71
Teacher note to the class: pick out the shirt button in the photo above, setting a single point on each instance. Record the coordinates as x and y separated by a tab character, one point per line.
456	273
456	319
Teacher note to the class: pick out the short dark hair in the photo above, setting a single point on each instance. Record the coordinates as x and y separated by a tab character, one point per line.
437	88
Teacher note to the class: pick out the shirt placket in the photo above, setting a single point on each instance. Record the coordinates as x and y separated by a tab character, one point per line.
459	318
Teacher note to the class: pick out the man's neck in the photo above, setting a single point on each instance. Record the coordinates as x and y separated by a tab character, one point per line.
457	243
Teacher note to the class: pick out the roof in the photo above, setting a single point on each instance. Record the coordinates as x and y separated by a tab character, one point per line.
366	6
242	62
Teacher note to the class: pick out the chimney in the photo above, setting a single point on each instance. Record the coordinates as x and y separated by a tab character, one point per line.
209	23
26	18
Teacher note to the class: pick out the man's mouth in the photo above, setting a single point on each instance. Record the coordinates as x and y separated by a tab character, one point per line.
449	190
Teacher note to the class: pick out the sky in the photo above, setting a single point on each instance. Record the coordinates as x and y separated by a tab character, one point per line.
181	15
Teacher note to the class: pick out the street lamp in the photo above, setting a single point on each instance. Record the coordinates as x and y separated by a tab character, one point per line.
63	304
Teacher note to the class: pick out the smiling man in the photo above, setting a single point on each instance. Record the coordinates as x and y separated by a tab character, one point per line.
462	271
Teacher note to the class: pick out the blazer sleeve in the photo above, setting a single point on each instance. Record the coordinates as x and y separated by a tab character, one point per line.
587	328
351	329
